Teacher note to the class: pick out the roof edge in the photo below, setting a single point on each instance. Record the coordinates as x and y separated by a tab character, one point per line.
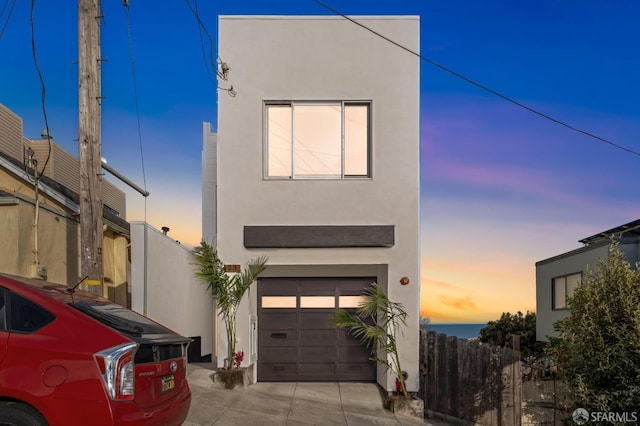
319	17
597	244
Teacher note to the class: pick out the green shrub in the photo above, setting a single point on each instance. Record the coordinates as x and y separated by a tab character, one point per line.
501	332
598	350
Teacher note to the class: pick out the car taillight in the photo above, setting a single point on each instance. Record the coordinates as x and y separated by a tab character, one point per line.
117	370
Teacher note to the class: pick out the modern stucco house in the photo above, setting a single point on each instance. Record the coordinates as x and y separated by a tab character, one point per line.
315	164
558	276
54	251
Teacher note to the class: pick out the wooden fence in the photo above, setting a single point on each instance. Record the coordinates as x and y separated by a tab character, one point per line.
545	403
470	381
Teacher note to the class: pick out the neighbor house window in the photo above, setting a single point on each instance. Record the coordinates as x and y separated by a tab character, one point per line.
564	287
314	140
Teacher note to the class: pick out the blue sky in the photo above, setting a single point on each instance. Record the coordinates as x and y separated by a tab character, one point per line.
501	187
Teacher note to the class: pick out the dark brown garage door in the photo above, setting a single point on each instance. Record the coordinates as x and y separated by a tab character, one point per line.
296	341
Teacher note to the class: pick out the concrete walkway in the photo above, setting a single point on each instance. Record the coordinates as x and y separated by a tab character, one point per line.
269	403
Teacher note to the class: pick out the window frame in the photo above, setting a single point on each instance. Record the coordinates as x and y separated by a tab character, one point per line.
565	278
11	300
343	104
4	309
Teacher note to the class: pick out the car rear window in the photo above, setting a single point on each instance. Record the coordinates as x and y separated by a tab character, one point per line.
133	324
27	317
120	318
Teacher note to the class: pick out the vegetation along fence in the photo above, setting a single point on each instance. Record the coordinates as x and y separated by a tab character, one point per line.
544	395
470	381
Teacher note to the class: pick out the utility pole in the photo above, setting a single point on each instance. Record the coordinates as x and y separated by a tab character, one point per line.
89	134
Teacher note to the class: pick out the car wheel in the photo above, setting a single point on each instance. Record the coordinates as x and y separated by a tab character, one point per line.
18	414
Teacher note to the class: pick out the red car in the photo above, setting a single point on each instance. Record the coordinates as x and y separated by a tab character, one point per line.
71	358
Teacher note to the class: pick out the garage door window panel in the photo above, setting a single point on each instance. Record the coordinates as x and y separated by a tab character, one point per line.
345	302
318	302
279	302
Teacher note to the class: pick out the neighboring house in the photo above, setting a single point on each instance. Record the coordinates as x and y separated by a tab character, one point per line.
54	252
316	165
558	276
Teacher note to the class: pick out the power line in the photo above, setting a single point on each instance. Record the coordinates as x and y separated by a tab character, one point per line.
204	55
42	91
6	22
6	2
479	85
224	69
135	95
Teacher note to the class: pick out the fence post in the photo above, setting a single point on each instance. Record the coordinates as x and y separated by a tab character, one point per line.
422	389
431	388
442	377
454	384
517	381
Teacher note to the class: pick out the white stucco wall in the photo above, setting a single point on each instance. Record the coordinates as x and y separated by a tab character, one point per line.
323	58
209	183
172	295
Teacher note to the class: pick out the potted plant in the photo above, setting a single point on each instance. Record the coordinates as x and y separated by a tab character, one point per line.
231	376
228	290
377	324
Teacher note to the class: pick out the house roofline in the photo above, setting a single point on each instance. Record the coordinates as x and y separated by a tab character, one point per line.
63	195
626	230
597	244
319	17
8	163
626	234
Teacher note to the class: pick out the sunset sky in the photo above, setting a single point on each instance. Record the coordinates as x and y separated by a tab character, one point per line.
501	187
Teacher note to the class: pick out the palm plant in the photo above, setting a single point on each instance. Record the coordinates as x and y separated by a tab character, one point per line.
387	318
228	289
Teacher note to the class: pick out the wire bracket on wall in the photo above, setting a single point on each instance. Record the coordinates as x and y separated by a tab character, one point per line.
230	91
223	70
30	164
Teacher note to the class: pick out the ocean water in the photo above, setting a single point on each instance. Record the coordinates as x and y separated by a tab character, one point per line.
461	331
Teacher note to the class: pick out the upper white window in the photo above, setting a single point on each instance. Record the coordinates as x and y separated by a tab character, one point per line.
313	140
563	287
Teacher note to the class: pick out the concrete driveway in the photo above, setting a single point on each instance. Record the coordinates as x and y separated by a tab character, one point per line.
269	403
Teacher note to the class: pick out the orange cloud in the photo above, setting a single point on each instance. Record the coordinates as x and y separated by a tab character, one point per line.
435	316
455	316
441	284
464	303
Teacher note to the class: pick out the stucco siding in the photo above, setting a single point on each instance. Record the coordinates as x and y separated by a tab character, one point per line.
9	217
315	59
55	233
58	241
209	183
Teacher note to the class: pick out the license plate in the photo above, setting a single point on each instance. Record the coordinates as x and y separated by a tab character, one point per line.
167	383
